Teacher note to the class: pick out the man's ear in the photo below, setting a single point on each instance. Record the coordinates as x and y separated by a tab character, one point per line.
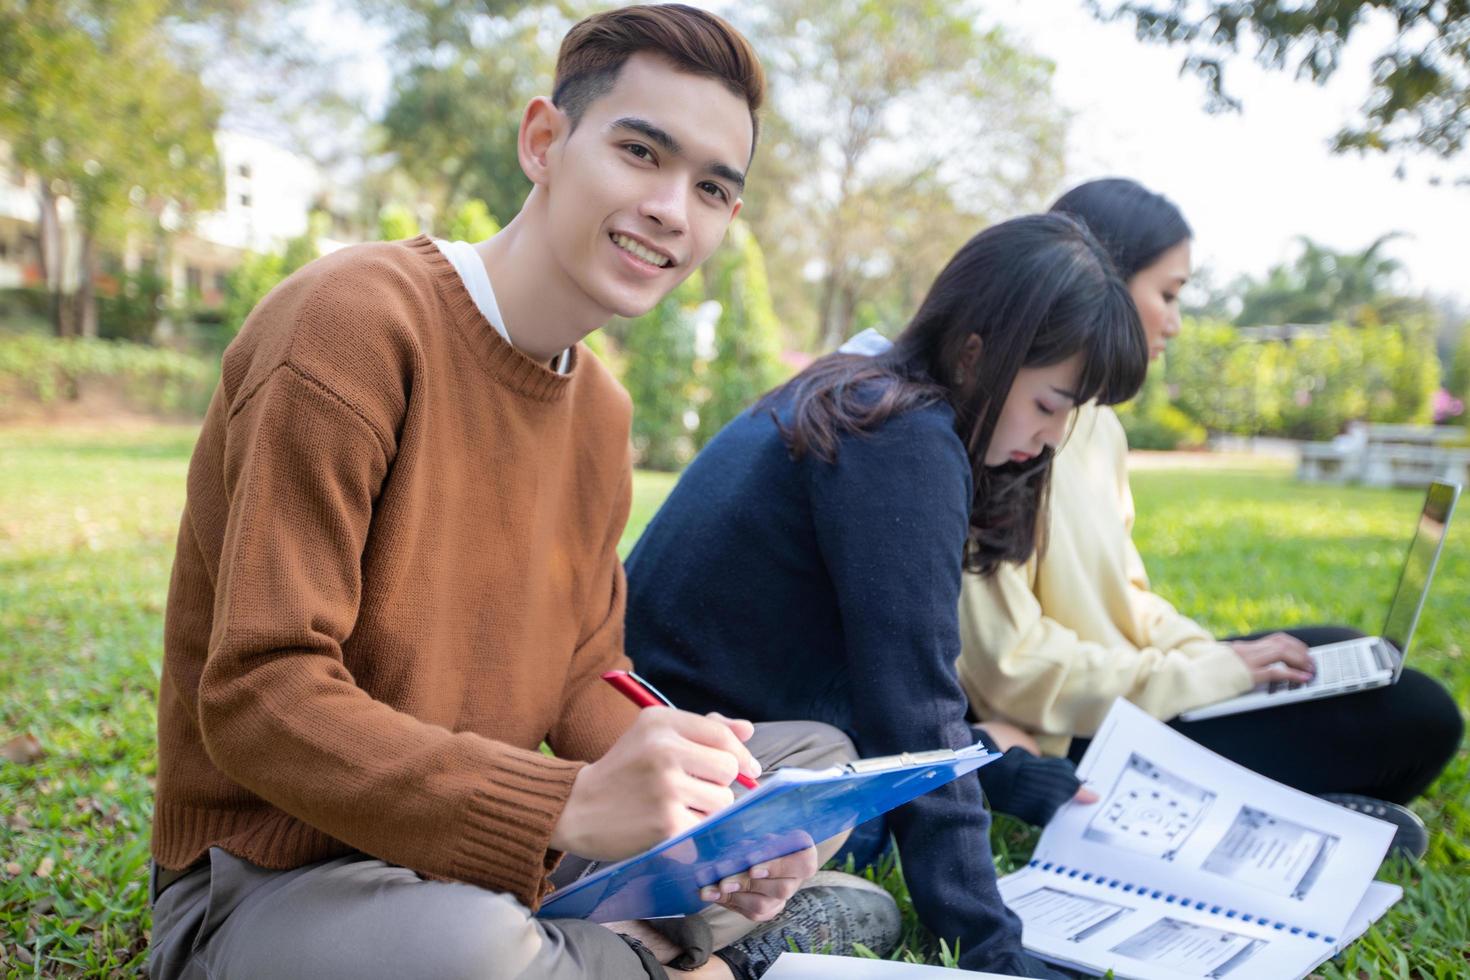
541	126
739	203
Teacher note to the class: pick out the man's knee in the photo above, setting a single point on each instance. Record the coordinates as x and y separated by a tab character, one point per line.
489	936
826	746
802	745
493	937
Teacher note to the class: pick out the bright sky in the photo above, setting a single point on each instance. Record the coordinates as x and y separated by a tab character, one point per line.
1248	183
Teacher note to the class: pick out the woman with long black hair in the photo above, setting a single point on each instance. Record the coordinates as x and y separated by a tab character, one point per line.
1051	642
807	565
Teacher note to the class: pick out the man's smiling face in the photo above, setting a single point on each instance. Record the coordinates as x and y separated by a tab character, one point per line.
642	189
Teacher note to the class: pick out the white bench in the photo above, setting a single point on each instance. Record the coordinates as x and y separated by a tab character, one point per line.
1384	455
1327	462
1397	465
1384	433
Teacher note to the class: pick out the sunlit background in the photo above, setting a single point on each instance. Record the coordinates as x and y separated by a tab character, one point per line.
164	163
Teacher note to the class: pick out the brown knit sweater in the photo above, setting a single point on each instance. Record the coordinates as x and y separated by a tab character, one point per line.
396	575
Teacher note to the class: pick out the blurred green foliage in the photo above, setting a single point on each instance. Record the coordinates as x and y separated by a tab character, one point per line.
259	273
1153	422
747	358
130	311
395	223
105	104
44	370
659	375
1307	387
1458	378
471	222
684	392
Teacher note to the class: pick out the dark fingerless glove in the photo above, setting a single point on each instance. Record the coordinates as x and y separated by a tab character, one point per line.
1026	787
651	966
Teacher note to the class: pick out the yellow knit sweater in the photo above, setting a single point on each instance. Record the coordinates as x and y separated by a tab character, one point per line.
1050	644
396	575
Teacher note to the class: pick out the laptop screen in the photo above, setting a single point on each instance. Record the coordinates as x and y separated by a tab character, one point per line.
1419	566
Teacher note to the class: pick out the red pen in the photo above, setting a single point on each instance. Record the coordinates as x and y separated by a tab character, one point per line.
645	695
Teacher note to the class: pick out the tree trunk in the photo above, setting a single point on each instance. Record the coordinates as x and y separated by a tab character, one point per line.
87	286
164	326
824	312
836	312
53	259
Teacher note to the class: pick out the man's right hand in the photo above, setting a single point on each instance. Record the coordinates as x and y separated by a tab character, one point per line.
1278	657
669	771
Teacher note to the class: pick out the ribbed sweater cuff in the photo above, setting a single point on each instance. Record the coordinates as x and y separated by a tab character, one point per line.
509	821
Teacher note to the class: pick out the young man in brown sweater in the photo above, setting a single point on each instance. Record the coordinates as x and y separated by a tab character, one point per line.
397	573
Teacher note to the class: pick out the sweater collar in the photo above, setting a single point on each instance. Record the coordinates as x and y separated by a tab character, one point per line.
505	363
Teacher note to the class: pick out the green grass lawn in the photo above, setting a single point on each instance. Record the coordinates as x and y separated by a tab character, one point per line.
87	525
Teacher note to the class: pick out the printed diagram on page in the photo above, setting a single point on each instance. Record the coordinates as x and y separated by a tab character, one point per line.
1271	853
1149	810
1192	949
1062	913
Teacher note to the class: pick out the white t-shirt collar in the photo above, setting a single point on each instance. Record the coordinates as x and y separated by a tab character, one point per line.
466	262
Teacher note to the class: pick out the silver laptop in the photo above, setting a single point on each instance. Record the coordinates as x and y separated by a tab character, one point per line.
1374	661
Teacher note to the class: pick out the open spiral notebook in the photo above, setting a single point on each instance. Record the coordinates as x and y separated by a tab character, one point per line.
1191	866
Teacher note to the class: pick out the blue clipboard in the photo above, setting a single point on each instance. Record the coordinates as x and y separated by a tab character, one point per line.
790	810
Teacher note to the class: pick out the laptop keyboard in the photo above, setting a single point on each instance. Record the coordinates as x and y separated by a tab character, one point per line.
1337	664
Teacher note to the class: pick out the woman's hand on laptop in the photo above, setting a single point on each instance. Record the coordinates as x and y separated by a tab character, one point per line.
1277	657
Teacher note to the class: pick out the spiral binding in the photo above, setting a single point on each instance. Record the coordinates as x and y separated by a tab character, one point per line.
1181	901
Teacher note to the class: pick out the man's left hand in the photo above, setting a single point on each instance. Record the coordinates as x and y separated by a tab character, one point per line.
761	892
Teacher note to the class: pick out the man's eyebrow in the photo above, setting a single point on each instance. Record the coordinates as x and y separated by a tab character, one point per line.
728	173
666	140
646	128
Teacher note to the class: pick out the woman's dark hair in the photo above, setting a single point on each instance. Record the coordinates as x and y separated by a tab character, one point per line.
1133	223
1035	291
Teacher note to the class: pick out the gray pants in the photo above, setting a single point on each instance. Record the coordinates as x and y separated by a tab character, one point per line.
356	917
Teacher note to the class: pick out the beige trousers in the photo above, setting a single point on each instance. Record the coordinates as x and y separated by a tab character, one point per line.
356	917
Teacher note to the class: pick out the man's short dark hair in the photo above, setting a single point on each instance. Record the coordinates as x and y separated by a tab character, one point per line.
693	41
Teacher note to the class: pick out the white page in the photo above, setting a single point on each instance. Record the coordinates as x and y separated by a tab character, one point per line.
1380	898
808	966
1091	926
1177	818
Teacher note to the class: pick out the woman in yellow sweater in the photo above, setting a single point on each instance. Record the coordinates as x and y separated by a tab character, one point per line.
1048	645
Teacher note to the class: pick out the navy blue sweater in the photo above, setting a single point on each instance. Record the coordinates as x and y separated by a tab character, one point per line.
777	590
